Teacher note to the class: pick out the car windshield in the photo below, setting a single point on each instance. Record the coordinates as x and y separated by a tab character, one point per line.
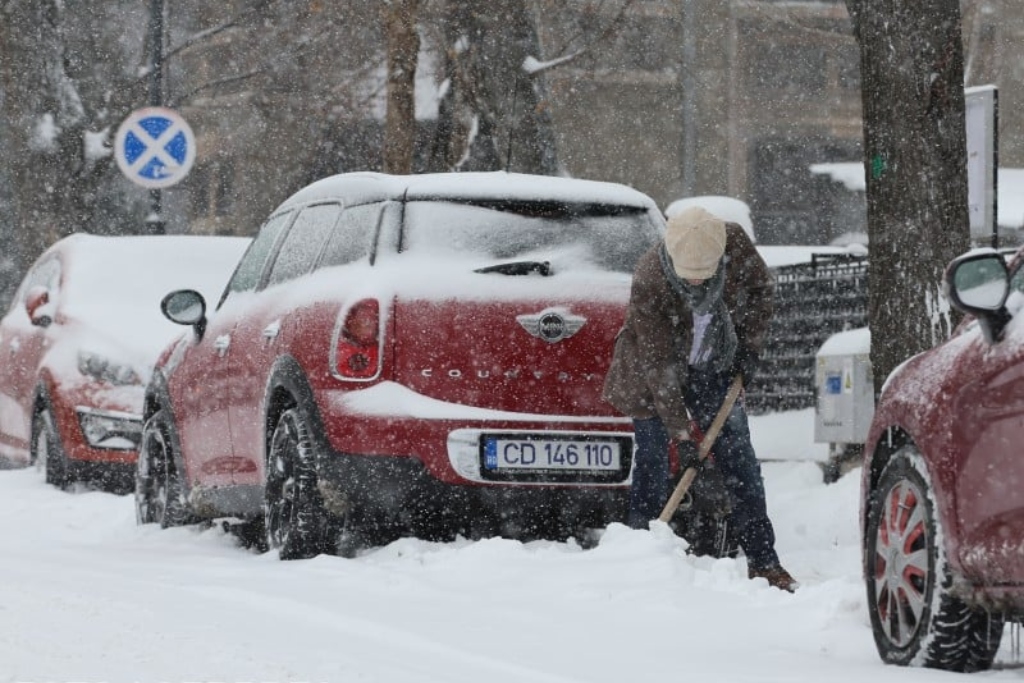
593	236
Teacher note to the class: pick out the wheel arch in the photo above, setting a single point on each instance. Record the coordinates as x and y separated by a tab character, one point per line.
156	399
46	386
288	387
888	444
41	398
40	401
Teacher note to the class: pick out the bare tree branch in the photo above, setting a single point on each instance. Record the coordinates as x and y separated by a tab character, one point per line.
196	38
562	58
233	22
212	84
787	18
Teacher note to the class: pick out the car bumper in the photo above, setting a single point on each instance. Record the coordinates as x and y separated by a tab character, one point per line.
399	457
446	438
396	492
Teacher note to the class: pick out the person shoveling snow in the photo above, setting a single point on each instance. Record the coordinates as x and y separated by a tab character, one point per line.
699	308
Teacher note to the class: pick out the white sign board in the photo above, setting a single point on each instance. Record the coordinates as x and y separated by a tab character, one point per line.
981	120
154	147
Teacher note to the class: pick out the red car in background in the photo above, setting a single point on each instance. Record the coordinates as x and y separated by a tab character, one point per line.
943	482
78	343
405	355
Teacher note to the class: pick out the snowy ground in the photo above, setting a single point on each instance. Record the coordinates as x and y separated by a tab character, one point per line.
85	595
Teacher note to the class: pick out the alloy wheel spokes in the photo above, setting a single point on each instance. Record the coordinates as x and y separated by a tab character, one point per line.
901	562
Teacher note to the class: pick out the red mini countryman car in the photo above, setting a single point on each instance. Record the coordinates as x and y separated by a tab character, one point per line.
405	355
78	342
943	482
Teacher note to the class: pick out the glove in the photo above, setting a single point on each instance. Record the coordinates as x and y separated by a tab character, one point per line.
688	453
745	363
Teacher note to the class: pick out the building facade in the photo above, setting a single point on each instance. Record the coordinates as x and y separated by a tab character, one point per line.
673	97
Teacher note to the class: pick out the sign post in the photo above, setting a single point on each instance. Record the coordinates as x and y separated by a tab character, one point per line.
982	121
154	221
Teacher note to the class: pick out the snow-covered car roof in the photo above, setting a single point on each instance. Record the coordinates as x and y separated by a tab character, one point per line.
367	187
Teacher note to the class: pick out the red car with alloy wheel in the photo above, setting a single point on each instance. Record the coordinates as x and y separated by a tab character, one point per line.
943	509
78	343
415	355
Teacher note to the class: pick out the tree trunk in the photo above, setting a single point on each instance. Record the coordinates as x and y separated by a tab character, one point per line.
915	162
59	183
42	111
493	114
403	45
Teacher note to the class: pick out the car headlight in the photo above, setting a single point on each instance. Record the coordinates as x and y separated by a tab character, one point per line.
106	370
110	429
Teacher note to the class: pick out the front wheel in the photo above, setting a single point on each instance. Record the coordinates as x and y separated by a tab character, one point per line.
916	617
159	489
47	451
297	523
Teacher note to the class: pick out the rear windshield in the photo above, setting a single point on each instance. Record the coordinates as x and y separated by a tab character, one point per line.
591	236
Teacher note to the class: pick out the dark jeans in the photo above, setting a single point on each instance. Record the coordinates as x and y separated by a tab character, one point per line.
734	457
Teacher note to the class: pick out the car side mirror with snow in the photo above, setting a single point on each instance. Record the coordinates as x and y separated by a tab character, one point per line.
186	307
978	283
36	305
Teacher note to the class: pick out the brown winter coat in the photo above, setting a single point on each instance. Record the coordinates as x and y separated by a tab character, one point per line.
650	362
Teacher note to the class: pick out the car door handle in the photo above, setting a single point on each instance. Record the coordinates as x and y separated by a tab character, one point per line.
222	343
271	331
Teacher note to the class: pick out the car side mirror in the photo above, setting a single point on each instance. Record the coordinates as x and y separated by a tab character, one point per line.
978	283
186	307
36	305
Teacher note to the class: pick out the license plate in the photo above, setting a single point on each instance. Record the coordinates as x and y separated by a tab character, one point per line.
507	453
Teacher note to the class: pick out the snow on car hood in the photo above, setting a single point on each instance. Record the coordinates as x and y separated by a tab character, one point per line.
925	374
924	378
112	288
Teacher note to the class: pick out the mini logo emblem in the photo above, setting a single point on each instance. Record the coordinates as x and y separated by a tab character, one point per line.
552	324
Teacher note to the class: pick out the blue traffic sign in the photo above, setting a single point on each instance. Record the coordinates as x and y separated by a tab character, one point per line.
154	147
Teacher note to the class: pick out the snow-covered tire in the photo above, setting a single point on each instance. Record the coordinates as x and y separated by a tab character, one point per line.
297	523
159	489
47	452
916	617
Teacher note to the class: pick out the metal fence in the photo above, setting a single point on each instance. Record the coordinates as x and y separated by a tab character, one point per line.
813	301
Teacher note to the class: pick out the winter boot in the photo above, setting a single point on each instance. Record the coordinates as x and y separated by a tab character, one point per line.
776	576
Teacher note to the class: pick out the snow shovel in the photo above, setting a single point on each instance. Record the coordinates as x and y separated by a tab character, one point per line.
705	447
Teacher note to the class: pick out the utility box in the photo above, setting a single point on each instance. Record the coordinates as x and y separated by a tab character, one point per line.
845	389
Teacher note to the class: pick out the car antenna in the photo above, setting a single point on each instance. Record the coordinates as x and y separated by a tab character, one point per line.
512	125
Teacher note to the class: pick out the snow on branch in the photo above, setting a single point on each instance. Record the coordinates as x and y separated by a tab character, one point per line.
532	65
213	84
233	22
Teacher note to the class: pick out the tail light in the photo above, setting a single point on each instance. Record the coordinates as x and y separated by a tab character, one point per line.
357	355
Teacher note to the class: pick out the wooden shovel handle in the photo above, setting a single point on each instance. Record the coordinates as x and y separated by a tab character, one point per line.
705	447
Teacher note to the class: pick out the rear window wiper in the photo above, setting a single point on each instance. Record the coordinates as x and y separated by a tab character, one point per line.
542	268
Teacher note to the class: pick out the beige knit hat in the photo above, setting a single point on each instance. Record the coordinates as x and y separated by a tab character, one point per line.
695	241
